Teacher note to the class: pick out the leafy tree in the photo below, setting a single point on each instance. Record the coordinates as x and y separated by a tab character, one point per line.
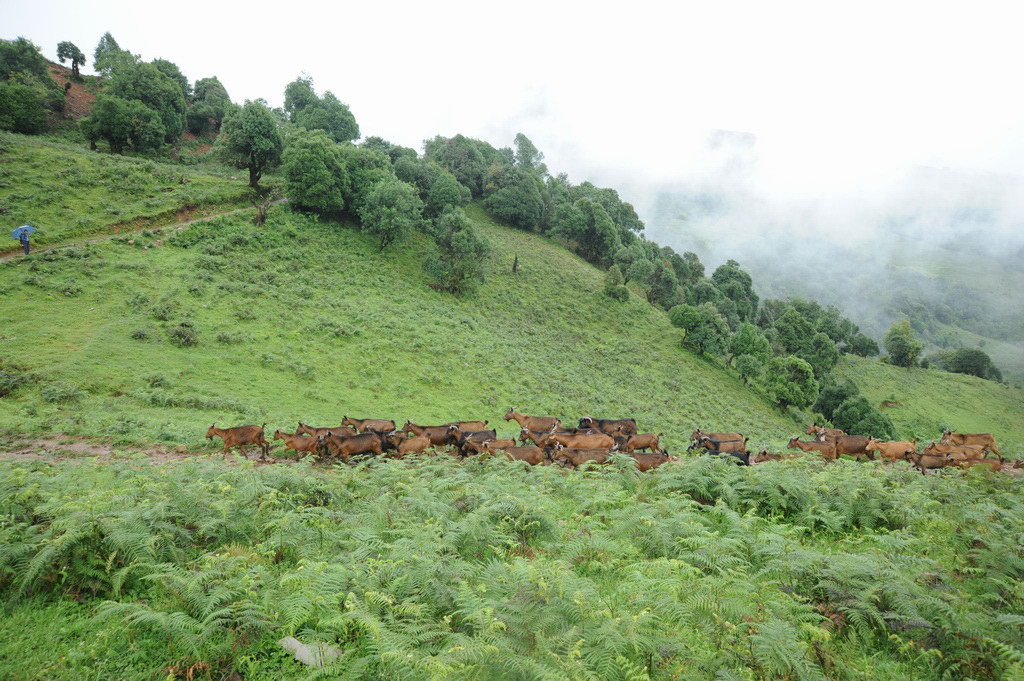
21	56
21	109
459	264
468	159
833	393
971	361
69	51
863	346
790	381
147	84
391	211
614	284
857	417
749	340
737	286
705	291
394	151
528	156
821	353
663	287
705	329
444	192
21	63
688	267
794	331
901	345
123	123
315	173
249	138
749	368
109	56
366	168
171	70
520	202
210	102
327	113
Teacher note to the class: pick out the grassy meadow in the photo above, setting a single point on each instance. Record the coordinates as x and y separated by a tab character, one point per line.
67	191
309	320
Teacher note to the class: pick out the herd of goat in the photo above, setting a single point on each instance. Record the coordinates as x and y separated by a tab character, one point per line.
592	441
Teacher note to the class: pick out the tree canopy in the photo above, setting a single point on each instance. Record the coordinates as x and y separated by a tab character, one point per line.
249	138
68	51
391	211
312	112
902	346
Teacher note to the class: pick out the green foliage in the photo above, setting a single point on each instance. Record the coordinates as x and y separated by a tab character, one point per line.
857	416
821	353
468	159
737	286
614	284
316	177
171	70
391	212
902	346
663	286
124	123
970	361
68	51
749	340
432	568
148	84
444	192
458	266
326	113
107	54
706	330
249	138
22	109
863	346
834	391
794	331
515	196
790	381
528	156
749	367
21	56
210	103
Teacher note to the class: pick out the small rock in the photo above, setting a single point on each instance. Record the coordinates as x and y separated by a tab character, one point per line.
180	449
315	656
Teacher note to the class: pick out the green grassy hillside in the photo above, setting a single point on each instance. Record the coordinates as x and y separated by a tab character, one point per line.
67	191
931	400
308	320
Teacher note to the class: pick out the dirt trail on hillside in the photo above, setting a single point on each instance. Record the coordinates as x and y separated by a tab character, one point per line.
182	218
60	448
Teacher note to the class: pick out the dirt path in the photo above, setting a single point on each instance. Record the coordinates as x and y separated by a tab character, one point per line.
178	224
60	448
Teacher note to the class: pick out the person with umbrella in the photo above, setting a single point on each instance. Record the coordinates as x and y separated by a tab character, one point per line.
21	233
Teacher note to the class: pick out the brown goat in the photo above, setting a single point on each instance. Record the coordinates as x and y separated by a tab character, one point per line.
891	451
632	443
241	437
815	429
826	449
404	444
334	446
577	456
479	446
610	426
646	462
438	434
342	430
572	441
984	439
363	425
532	422
531	455
297	442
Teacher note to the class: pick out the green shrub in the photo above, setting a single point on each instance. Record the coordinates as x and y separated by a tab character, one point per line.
184	335
59	392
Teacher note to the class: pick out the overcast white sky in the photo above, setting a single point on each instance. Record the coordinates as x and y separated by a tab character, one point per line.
843	98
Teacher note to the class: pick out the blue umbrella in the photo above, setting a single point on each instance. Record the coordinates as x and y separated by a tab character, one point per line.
24	229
